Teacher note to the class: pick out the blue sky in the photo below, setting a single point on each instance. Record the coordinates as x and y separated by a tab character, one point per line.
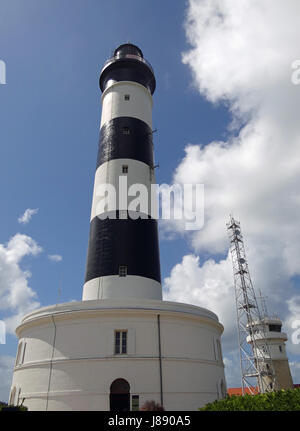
49	124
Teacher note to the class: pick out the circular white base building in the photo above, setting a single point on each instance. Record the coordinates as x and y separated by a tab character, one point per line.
70	356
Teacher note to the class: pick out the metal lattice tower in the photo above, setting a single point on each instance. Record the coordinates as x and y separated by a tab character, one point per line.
255	359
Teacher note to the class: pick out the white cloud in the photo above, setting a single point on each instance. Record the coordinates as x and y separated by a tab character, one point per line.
6	369
241	52
232	370
16	297
241	55
26	217
295	370
292	324
55	257
209	285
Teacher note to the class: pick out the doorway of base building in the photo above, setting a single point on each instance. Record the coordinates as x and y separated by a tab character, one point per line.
119	398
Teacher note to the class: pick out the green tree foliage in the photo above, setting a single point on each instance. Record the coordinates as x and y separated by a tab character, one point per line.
5	407
280	400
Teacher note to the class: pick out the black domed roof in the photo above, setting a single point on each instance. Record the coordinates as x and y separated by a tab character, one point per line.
128	48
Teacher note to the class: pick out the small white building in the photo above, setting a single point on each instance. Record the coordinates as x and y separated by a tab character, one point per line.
267	331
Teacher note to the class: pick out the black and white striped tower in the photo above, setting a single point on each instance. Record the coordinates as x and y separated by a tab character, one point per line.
123	253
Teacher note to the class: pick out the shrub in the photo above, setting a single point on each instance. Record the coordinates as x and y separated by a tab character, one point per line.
152	406
279	400
6	407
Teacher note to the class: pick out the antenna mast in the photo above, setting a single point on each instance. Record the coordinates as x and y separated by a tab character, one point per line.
263	305
255	358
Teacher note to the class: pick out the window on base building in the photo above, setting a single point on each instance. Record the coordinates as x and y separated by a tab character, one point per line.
127	97
135	403
18	359
219	350
125	169
23	354
122	271
120	342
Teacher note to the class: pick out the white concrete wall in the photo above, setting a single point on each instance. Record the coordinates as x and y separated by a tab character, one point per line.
114	104
84	364
274	340
109	173
113	286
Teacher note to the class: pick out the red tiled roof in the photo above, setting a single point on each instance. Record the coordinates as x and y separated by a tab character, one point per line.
238	391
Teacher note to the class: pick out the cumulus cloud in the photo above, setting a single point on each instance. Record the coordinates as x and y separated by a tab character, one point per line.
6	367
295	371
16	296
292	322
232	370
207	285
26	217
55	257
241	55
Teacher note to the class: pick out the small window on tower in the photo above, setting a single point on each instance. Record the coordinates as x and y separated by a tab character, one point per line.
120	342
125	169
126	131
275	328
127	97
280	349
122	271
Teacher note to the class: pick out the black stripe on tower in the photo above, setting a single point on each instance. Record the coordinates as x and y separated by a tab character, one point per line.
133	243
125	138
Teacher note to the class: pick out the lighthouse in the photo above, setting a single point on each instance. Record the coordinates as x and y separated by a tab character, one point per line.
123	254
121	345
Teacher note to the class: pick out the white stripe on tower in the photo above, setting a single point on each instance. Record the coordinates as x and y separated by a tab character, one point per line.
115	103
131	171
123	254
